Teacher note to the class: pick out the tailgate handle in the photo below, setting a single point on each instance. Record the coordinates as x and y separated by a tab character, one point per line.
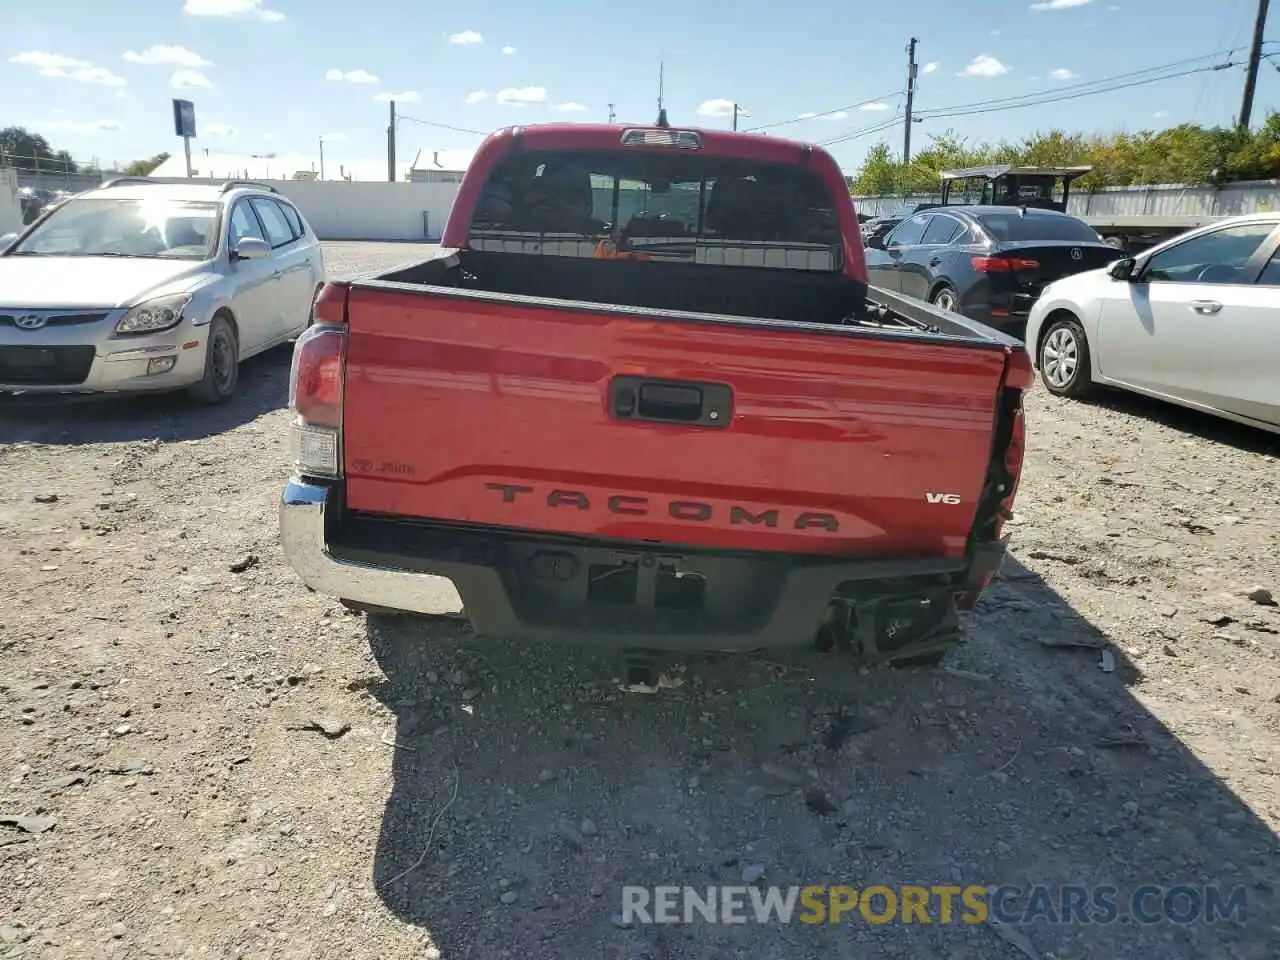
671	401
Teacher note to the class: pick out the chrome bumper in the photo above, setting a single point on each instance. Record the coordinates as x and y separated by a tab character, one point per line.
302	535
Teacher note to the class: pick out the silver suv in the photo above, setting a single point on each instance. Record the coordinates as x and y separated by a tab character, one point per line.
141	285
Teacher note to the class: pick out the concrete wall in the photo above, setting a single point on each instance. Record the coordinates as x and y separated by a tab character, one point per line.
10	208
1160	200
338	210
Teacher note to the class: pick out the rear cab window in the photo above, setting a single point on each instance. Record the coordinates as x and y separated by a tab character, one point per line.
670	207
1015	228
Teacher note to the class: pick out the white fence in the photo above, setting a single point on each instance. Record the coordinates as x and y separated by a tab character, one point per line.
338	210
1159	200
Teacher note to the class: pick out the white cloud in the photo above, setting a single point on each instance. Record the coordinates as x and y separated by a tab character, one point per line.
465	38
995	33
519	96
163	53
718	107
570	107
1160	114
48	61
836	115
508	50
57	65
1058	4
190	80
351	76
408	96
476	96
984	65
807	115
1062	73
875	107
231	8
98	75
929	67
81	126
217	130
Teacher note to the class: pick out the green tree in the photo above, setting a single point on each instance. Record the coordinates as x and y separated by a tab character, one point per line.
25	150
1187	153
879	174
140	168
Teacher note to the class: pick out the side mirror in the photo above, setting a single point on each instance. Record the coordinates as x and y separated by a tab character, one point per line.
251	248
875	243
6	241
1122	269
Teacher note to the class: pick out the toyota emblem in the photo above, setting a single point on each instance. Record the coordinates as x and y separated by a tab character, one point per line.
29	321
1077	253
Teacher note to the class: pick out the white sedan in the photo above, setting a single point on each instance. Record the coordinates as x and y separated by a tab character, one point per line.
1194	321
147	286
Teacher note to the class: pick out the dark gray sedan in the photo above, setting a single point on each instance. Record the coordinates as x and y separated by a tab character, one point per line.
987	263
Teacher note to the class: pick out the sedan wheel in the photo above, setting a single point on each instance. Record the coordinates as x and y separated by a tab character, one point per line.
1064	359
221	364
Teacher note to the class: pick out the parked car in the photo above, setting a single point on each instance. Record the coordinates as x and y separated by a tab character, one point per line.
705	433
877	227
1195	321
33	202
144	286
987	262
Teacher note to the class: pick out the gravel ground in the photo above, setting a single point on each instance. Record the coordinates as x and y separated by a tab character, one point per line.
160	716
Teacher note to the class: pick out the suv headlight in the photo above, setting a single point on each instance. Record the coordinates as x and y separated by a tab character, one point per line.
152	316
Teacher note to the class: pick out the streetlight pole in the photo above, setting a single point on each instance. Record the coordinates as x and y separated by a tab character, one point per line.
321	139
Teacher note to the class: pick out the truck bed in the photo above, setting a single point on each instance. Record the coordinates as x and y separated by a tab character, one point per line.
474	395
789	296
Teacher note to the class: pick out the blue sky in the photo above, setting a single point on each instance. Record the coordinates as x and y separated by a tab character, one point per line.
273	76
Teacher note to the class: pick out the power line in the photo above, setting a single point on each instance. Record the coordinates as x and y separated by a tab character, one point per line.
1105	85
442	126
1036	100
864	131
825	113
1084	86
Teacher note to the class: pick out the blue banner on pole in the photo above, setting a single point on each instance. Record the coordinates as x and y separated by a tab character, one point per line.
184	118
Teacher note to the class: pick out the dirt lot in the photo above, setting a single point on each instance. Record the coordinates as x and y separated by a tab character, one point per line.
154	706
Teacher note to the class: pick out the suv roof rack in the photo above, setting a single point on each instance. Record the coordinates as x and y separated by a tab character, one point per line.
119	180
234	184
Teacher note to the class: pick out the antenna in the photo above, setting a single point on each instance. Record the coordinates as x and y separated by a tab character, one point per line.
662	110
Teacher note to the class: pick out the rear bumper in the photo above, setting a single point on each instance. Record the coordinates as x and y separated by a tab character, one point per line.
522	586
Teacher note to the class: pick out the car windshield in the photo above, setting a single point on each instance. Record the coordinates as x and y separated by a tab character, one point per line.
102	227
1012	227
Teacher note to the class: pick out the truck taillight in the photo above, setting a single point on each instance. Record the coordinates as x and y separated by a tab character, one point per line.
315	401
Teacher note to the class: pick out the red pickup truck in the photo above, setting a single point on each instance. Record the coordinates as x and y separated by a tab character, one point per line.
643	396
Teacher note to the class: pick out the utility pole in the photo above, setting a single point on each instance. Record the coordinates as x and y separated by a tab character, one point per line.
611	113
662	110
321	158
1255	59
911	94
735	115
391	144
